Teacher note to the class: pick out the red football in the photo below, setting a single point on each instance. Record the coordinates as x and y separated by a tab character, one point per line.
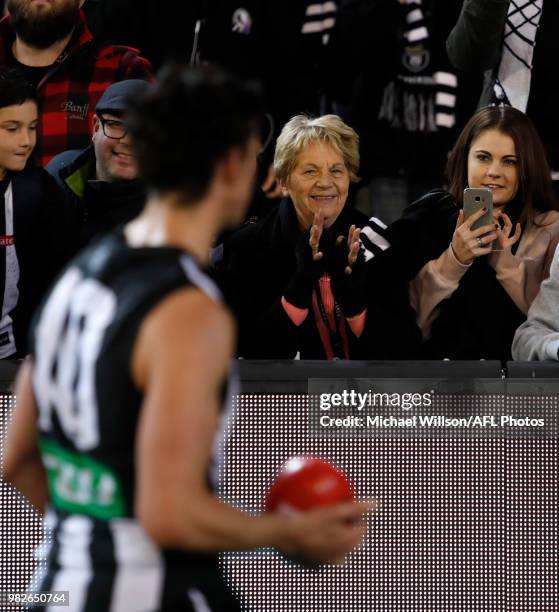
307	482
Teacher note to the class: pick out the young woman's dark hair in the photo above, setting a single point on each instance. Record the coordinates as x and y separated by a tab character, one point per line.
535	192
205	106
14	89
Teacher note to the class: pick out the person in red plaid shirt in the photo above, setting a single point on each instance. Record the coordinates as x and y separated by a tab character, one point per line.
49	42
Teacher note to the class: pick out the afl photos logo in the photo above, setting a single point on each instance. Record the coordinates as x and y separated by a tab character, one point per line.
241	21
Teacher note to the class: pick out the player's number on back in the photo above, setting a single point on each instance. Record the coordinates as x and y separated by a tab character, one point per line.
70	333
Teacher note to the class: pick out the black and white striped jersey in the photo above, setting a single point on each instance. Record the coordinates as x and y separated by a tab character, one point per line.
88	408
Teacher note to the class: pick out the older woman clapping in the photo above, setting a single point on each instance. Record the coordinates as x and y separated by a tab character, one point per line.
304	279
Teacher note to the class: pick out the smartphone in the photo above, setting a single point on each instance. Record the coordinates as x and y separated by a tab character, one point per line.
474	200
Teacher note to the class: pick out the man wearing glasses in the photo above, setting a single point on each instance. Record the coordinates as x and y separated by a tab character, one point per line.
102	180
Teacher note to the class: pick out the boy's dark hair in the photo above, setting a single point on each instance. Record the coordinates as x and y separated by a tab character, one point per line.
185	123
14	89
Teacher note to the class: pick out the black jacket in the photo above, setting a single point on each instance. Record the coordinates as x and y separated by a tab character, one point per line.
475	44
479	319
43	237
99	206
258	263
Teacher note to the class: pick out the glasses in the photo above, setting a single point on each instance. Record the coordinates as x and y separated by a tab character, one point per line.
113	128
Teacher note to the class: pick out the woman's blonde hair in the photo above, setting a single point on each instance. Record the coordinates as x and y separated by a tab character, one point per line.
302	130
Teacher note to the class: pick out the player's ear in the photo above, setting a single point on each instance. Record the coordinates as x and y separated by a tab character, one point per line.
231	163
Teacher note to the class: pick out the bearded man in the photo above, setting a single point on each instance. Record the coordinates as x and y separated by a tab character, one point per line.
49	42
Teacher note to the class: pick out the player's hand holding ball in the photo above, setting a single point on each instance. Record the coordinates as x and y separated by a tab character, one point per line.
318	501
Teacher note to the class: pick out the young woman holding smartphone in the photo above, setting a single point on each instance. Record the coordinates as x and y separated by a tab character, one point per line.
471	288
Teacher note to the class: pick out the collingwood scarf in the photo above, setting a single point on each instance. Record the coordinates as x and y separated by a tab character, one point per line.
419	98
512	85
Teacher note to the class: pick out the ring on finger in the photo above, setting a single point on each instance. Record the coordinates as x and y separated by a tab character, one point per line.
480	241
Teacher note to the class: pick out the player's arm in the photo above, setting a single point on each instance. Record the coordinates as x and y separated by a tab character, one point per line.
180	360
22	464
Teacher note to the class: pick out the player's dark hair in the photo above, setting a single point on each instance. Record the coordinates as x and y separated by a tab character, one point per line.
14	89
185	123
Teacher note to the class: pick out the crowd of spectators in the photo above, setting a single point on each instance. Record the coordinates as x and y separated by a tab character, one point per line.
355	245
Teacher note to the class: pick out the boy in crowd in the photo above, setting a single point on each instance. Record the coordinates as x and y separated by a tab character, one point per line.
35	222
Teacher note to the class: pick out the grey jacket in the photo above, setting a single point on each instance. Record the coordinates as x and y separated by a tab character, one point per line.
537	339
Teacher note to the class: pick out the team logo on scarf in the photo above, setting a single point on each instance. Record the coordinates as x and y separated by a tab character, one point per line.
421	96
241	21
416	59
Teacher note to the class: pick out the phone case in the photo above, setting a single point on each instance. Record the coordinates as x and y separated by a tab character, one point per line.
476	198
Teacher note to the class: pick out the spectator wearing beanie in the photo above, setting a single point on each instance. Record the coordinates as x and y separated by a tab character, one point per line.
102	180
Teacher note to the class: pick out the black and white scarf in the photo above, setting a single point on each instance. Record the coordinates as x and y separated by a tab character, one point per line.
422	97
320	18
512	85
